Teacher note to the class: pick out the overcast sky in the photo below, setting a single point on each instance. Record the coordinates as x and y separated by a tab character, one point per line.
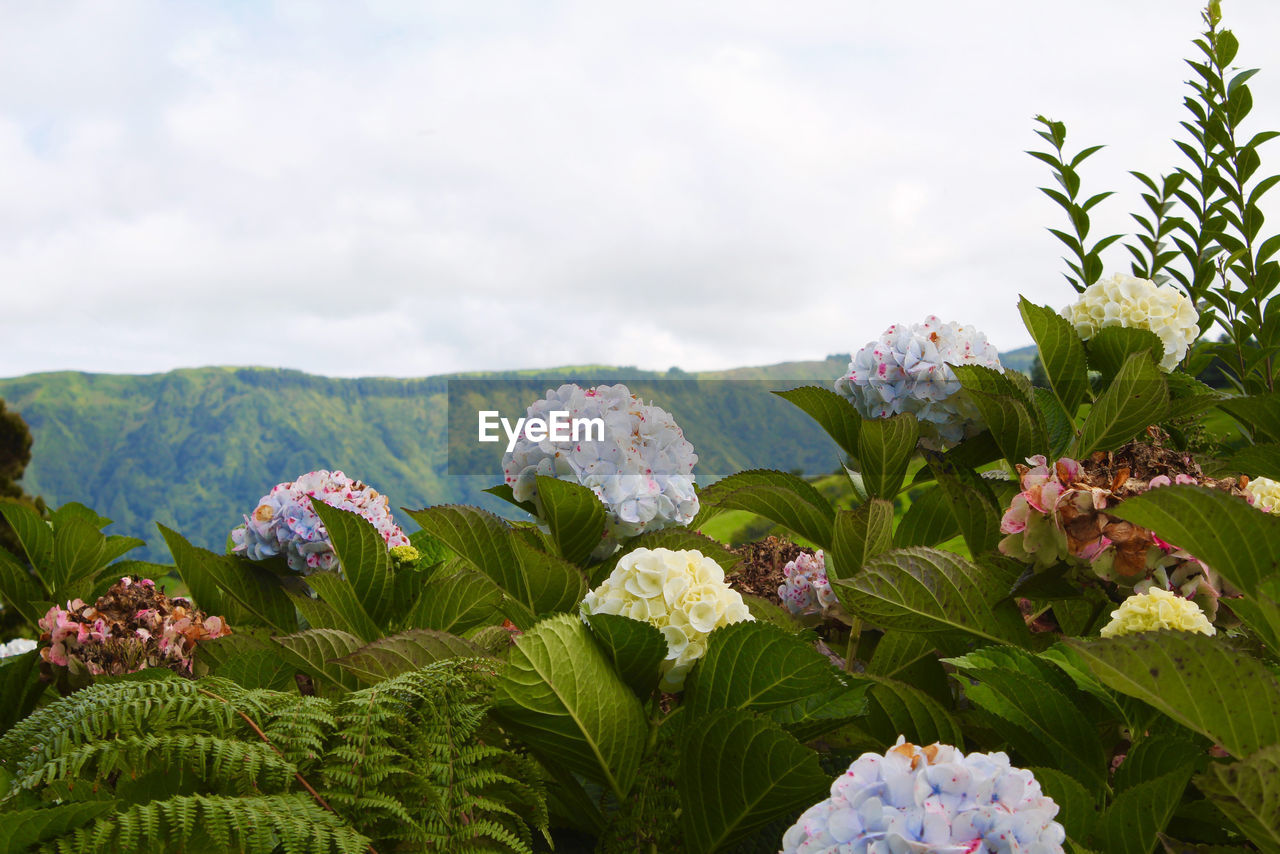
410	188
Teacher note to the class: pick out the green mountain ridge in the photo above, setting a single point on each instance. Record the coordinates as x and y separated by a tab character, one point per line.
195	448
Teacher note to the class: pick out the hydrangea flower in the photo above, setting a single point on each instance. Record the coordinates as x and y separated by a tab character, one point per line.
907	370
930	799
284	523
1157	609
131	627
1138	304
681	593
642	469
806	589
1264	493
17	646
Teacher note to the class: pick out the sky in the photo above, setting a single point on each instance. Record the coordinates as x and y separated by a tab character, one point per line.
413	188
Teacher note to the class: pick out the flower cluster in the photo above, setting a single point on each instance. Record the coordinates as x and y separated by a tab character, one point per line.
17	646
1157	609
806	589
1264	493
1138	304
284	523
133	626
683	594
907	370
933	799
1060	514
642	469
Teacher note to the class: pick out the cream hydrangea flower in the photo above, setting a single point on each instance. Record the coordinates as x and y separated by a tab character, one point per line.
681	593
1138	304
1154	610
1264	493
930	799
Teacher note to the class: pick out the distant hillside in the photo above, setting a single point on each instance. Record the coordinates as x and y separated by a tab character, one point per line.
195	449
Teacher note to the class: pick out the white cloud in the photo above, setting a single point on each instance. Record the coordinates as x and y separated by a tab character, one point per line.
407	189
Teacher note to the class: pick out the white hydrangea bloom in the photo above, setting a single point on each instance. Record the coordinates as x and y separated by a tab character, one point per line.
1264	493
1138	304
806	588
907	370
681	593
930	799
642	470
17	646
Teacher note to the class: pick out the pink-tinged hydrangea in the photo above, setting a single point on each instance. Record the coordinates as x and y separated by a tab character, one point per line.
806	590
908	370
642	469
931	799
131	627
285	523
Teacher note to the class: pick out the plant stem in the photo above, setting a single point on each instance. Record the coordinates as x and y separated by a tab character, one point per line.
851	651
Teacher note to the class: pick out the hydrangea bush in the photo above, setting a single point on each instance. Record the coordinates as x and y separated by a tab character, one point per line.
642	469
284	522
908	370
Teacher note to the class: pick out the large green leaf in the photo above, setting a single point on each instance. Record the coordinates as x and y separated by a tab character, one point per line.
1138	397
20	830
897	708
636	650
1013	420
1225	532
1257	461
1060	351
858	535
575	516
1111	346
834	414
1260	413
20	686
19	589
459	601
1077	808
409	650
1199	681
709	498
231	587
739	772
336	592
248	659
561	696
315	651
928	521
788	501
754	665
973	503
927	590
363	555
1248	791
33	532
1132	823
885	447
78	550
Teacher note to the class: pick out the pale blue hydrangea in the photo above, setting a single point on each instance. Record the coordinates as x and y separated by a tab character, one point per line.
907	370
17	646
642	469
932	799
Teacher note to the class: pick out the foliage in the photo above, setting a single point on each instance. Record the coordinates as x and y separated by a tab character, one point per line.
172	764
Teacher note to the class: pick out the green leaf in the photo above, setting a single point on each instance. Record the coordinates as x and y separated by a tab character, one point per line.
504	491
636	650
561	696
897	708
972	501
1112	346
33	532
1136	398
1248	791
1060	428
315	651
21	688
248	659
927	590
909	657
1007	411
885	448
575	516
858	535
409	650
1257	461
363	555
231	587
753	665
18	588
78	549
1225	532
1138	814
336	592
1199	681
23	829
1077	810
833	412
1156	755
793	508
928	521
738	773
1260	413
709	498
455	603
